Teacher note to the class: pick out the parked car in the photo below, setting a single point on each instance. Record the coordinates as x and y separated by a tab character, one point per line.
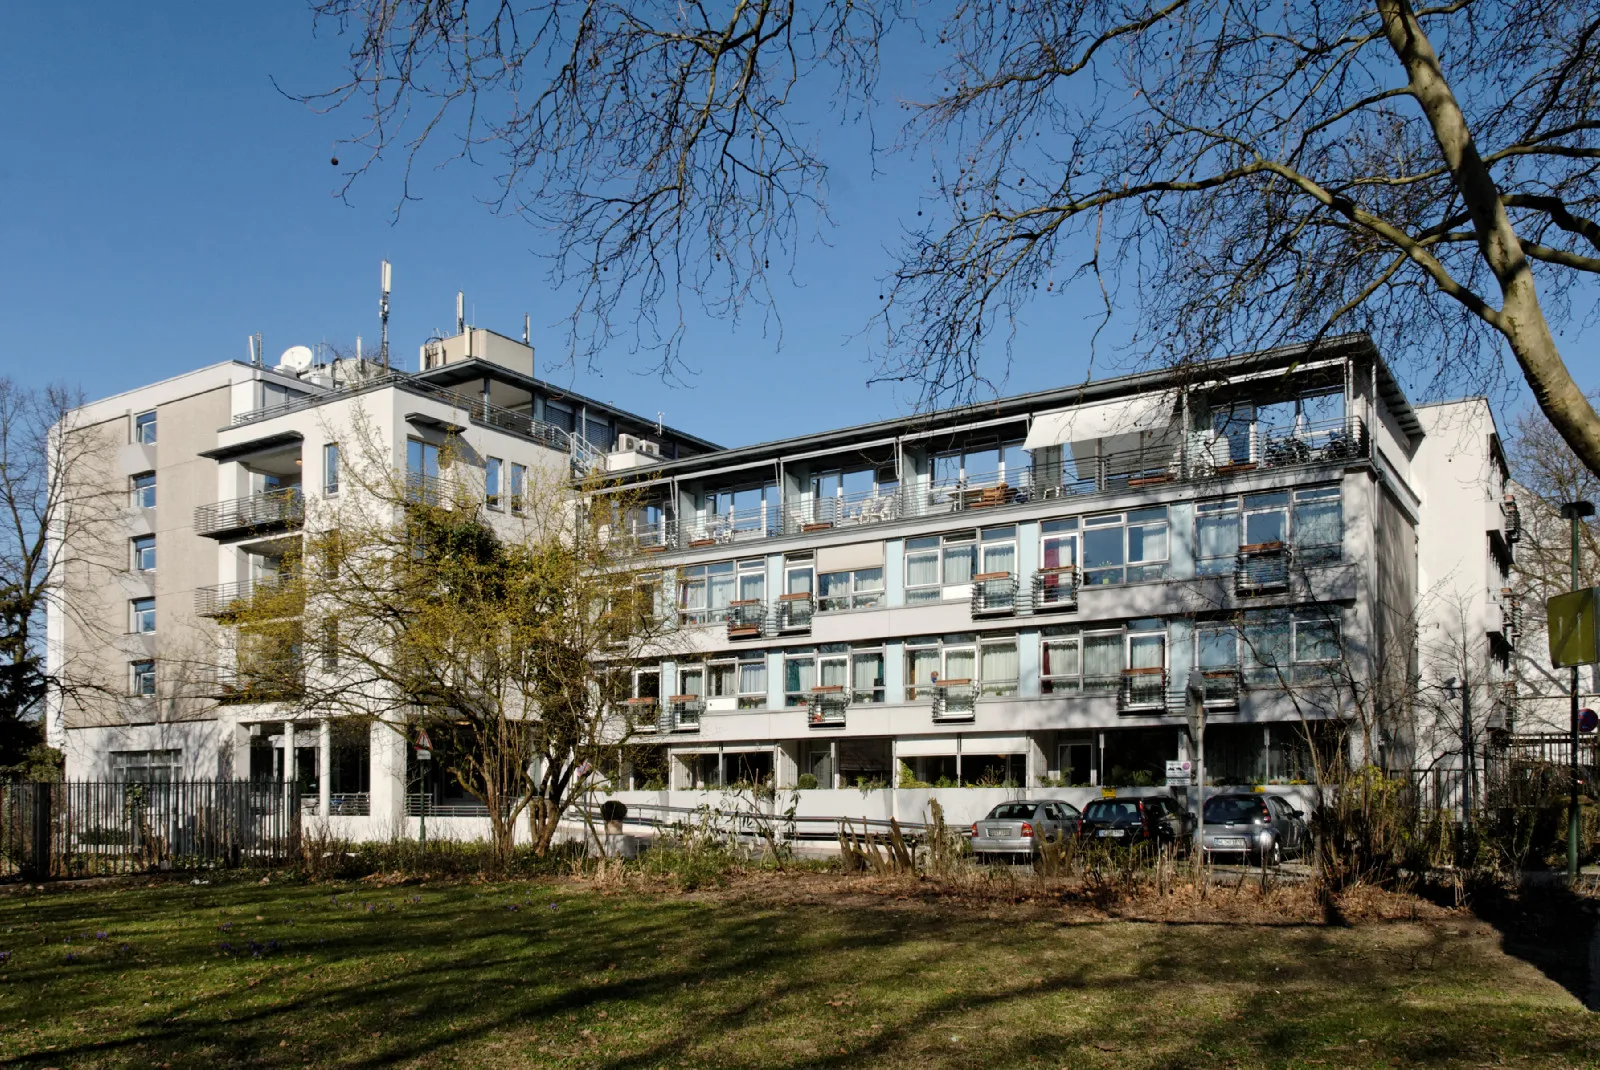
1262	827
1130	822
1016	829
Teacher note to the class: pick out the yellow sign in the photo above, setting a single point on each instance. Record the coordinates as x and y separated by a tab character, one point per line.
1574	628
1108	793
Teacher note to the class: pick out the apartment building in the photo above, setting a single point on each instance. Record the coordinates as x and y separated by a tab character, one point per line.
1024	594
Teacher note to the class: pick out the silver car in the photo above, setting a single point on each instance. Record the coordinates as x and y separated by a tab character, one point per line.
1263	827
1016	829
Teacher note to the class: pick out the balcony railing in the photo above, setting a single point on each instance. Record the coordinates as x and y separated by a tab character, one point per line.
228	599
1055	588
953	700
1143	689
825	708
1198	459
350	804
1219	688
747	619
644	715
1511	519
273	510
685	711
794	613
994	594
1262	567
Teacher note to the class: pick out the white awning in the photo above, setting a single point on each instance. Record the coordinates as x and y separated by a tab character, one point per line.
1106	419
845	558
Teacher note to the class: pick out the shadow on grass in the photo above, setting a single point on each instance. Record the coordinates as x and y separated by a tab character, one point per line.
529	975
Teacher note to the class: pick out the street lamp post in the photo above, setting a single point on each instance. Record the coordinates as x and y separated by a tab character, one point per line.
1575	512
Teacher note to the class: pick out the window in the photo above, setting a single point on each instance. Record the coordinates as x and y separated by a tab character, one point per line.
330	645
858	589
991	667
145	766
1060	664
986	464
142	679
1216	536
330	468
939	561
144	553
647	683
422	461
997	665
797	574
866	676
752	682
1216	648
1125	547
704	592
491	482
143	612
1318	525
752	580
751	509
998	547
799	677
144	428
1266	648
560	415
1310	520
1266	518
1316	647
144	490
519	487
598	434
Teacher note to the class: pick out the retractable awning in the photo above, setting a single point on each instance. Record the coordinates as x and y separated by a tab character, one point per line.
1106	419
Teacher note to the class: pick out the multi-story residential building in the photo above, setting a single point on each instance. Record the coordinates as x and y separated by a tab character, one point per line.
1020	593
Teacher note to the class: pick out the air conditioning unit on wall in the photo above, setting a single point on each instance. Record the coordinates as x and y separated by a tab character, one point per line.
650	448
626	443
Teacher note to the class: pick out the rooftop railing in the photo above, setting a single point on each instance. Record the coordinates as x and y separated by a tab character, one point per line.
1200	459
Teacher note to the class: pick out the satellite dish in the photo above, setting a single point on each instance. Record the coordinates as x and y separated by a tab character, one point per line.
297	358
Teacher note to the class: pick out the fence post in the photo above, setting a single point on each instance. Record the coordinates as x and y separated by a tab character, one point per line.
39	856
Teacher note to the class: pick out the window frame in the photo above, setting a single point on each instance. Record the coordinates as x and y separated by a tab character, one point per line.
330	469
856	595
138	488
1142	519
138	546
518	488
144	428
140	610
692	577
142	678
493	497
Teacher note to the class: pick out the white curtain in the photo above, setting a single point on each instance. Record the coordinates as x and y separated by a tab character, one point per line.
999	663
922	569
958	664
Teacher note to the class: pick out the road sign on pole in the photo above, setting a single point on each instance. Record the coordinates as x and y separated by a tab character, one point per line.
1575	628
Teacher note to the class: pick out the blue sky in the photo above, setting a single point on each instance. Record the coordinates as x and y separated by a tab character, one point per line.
160	200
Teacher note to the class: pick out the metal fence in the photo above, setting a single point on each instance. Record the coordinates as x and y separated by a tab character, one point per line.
85	828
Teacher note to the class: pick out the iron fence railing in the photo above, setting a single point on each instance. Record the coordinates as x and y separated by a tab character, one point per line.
747	619
954	700
994	594
794	613
281	508
1262	568
1055	588
94	828
826	706
1143	689
224	599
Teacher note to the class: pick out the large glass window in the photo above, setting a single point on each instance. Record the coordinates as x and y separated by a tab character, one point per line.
422	459
144	490
743	509
491	482
1316	647
939	561
144	428
1125	547
519	487
1216	648
752	580
1102	661
1310	520
999	549
991	666
704	592
145	766
866	676
753	682
1060	664
1266	518
1318	525
143	611
858	589
799	677
1266	648
1216	536
998	665
144	553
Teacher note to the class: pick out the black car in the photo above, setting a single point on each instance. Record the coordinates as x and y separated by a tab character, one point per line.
1150	819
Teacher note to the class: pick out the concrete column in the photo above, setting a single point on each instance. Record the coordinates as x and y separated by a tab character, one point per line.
388	778
324	766
1037	764
786	763
241	752
291	791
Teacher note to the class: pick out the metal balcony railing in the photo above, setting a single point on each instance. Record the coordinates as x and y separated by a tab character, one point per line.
1219	688
270	510
794	612
994	594
350	804
826	706
747	619
1512	519
954	700
1262	567
227	599
1055	588
643	714
1143	689
685	711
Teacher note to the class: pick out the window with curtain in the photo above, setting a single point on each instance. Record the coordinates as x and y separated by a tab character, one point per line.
998	667
1216	536
922	570
960	555
799	677
1104	550
1216	649
1060	664
1316	647
1266	643
999	550
922	662
704	592
1102	661
752	580
960	663
866	676
833	670
1318	525
753	683
721	679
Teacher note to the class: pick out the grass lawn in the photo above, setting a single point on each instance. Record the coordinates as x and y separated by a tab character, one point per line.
547	974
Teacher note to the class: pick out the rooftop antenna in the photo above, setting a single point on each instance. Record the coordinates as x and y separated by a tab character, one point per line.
358	347
461	312
660	416
383	318
255	349
525	326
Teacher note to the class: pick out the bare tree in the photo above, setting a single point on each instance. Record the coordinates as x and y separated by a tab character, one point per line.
1245	175
55	503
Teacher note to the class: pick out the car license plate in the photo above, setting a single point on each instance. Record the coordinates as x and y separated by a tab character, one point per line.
1230	841
1114	833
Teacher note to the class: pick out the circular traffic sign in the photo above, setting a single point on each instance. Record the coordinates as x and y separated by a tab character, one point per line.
1588	720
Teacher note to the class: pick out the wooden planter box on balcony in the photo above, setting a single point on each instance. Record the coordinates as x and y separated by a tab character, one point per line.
697	544
819	525
985	577
1234	469
1262	547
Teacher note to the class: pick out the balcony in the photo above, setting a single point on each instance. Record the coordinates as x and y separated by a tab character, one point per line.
1143	690
1055	588
747	619
683	713
231	599
825	708
994	594
1219	688
954	701
254	514
1511	522
794	613
644	715
1262	568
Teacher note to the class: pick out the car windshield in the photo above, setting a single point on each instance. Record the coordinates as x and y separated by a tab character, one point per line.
1011	812
1112	811
1226	808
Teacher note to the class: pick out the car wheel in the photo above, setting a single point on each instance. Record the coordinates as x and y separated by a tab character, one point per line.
1273	856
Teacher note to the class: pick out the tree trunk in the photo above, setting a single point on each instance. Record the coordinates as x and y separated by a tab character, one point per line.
1520	319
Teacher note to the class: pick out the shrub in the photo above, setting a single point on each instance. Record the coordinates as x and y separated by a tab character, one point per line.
806	782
